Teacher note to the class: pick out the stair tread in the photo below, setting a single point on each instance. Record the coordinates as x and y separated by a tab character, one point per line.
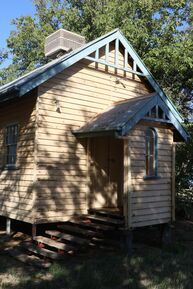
43	252
106	242
68	237
73	228
108	220
56	244
86	223
107	212
31	260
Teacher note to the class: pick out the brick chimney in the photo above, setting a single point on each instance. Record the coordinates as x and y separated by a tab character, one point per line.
62	41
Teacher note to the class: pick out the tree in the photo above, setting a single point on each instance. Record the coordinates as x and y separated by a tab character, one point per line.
184	161
158	30
184	176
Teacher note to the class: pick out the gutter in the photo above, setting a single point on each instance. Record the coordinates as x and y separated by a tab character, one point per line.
10	93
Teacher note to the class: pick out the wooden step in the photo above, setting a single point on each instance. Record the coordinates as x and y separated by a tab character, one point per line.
21	256
68	237
87	223
107	213
43	252
74	229
108	221
54	244
106	242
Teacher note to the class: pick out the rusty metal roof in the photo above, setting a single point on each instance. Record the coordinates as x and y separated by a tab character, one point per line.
118	115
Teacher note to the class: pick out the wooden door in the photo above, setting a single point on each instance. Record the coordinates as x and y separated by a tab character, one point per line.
105	173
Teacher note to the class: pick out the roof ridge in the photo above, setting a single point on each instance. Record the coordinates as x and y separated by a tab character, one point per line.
5	87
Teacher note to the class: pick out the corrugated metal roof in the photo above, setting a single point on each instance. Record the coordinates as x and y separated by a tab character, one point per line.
19	82
26	83
122	116
116	116
23	79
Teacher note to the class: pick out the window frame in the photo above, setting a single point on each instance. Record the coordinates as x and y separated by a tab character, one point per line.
9	165
148	156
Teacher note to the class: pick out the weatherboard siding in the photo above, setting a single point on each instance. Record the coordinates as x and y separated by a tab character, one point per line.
17	186
65	103
58	175
150	199
53	179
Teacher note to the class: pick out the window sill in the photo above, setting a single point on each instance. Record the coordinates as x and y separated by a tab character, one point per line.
151	177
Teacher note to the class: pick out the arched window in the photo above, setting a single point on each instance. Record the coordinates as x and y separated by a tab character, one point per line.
151	152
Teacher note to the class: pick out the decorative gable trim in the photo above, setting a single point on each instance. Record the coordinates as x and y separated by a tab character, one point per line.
120	118
124	67
157	100
173	119
148	75
39	76
139	115
94	46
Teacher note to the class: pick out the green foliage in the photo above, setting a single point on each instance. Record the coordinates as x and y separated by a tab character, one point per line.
158	30
184	161
184	177
9	73
3	55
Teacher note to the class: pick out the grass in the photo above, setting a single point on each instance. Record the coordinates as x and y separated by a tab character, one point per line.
150	267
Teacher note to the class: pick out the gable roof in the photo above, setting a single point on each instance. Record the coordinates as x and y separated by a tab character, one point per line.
24	84
29	81
122	116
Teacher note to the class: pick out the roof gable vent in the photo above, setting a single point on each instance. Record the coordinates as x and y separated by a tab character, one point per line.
62	41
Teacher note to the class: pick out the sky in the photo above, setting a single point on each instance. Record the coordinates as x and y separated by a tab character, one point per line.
11	9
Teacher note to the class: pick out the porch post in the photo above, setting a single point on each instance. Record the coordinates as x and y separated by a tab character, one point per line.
88	174
8	226
127	196
127	184
34	231
173	181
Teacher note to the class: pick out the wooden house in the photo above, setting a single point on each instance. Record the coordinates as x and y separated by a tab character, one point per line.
90	129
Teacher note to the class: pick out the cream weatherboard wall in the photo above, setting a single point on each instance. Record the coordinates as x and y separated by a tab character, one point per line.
65	103
151	199
17	195
52	181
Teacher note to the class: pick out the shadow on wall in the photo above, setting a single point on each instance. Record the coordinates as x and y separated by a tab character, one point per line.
61	161
61	175
16	185
106	172
65	181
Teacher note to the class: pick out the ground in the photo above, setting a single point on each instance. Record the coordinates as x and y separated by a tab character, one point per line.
151	266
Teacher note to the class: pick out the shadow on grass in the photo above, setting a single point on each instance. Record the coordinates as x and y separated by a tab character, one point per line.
149	267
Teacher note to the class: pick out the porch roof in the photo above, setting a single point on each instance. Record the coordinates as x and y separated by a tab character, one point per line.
120	117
